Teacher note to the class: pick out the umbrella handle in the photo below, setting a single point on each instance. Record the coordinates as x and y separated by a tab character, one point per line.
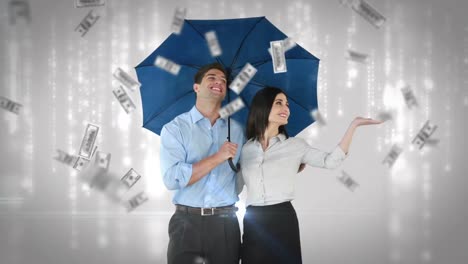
233	167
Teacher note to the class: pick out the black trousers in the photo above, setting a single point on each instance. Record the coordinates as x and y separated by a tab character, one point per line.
271	235
213	239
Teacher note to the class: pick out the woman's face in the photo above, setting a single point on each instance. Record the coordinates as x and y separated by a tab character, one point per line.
279	113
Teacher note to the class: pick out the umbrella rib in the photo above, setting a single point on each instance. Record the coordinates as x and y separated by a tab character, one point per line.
242	43
155	114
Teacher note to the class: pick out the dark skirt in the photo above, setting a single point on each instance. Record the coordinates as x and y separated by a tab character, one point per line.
271	235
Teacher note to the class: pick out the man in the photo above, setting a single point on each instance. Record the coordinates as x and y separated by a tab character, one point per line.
194	154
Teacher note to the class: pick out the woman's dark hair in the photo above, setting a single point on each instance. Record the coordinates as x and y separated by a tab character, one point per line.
260	109
203	70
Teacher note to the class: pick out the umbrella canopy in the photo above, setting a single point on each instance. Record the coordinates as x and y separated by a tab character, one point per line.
164	96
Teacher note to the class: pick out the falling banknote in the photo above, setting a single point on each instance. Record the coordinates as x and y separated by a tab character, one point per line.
124	99
213	44
348	181
409	97
89	138
88	21
130	178
136	201
89	3
178	20
167	65
278	56
392	156
244	77
9	105
231	108
368	13
126	80
426	131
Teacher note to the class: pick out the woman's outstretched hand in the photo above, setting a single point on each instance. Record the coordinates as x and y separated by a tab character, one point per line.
361	121
348	136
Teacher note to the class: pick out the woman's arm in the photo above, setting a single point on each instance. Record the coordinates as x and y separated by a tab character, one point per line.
348	136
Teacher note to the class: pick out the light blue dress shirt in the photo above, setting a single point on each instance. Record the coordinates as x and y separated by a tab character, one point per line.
185	141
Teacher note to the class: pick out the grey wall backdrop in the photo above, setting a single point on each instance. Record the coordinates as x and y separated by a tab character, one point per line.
413	212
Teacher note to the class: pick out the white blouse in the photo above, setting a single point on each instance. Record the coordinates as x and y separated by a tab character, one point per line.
270	175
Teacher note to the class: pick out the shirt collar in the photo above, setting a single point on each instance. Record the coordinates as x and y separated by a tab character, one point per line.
197	116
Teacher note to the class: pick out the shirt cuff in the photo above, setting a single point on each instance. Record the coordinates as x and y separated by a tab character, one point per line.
338	154
184	174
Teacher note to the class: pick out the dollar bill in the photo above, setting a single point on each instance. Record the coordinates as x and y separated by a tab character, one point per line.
178	20
392	156
136	201
348	181
278	57
368	13
167	65
244	77
424	133
384	116
81	163
88	21
19	8
124	99
213	44
102	160
409	97
130	178
89	3
356	56
126	80
66	158
88	141
317	116
231	108
9	105
288	43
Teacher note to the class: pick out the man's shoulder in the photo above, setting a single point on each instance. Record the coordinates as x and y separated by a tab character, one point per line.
179	122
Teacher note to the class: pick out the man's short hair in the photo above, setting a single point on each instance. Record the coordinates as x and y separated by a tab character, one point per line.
203	70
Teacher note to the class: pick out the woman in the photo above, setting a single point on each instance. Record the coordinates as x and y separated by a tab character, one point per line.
269	162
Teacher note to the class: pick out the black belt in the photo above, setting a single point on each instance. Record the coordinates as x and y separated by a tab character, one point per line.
207	211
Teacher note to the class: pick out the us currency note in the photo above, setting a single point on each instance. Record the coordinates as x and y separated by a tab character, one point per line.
424	133
88	21
19	8
409	97
178	20
244	77
317	116
231	108
81	163
368	13
384	116
102	160
130	178
348	181
288	43
167	65
88	141
278	57
392	156
124	99
126	80
356	56
213	44
136	201
89	3
9	105
66	158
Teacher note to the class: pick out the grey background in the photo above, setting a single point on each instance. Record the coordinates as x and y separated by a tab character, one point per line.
415	212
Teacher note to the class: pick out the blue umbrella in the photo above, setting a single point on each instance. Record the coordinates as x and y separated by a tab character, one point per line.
164	96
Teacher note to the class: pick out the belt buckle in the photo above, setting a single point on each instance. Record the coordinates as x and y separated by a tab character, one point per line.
208	213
